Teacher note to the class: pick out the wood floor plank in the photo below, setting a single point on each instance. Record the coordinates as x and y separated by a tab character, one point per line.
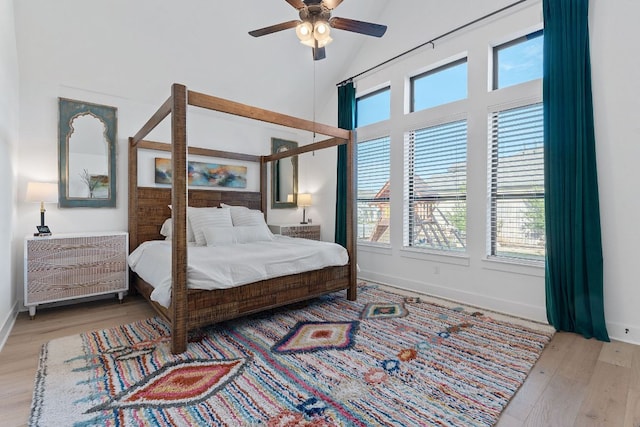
540	376
635	369
579	363
632	412
606	399
559	404
617	353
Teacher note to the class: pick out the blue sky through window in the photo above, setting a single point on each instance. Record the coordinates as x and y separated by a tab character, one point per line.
519	61
374	107
439	87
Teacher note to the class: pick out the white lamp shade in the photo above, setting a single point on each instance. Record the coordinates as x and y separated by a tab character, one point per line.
304	199
46	192
304	31
289	198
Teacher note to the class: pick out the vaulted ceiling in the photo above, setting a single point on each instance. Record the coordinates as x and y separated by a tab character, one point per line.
136	49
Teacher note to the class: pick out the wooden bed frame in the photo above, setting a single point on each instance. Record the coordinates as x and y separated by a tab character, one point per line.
148	208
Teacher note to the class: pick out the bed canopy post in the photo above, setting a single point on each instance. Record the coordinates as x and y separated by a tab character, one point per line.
263	186
179	196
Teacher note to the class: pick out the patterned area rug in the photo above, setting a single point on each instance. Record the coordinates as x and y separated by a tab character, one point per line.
385	360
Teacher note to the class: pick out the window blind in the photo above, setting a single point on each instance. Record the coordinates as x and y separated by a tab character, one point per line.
373	190
516	183
435	189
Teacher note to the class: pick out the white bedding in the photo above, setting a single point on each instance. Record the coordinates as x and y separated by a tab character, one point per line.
221	267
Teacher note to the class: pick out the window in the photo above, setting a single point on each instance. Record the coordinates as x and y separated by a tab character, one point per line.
518	61
440	86
517	228
436	187
373	190
373	107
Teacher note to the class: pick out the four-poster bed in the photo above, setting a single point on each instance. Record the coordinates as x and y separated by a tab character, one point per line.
148	208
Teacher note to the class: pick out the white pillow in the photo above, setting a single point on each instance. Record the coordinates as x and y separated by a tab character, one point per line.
241	217
252	233
167	230
224	205
203	218
220	236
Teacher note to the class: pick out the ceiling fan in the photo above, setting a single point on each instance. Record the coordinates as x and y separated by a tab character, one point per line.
315	23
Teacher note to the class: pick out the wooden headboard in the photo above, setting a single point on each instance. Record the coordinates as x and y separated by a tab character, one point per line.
152	208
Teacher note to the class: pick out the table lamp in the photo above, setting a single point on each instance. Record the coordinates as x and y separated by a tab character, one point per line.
43	192
304	200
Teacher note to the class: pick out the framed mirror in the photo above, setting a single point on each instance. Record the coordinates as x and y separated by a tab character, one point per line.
86	154
284	176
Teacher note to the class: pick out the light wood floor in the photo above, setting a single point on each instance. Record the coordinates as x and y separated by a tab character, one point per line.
576	382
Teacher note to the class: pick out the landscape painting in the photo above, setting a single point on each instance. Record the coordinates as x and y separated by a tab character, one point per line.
202	174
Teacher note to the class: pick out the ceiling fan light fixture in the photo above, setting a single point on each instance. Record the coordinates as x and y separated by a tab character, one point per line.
304	31
324	42
321	31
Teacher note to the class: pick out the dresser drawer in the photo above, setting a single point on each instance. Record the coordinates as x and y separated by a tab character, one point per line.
304	231
64	267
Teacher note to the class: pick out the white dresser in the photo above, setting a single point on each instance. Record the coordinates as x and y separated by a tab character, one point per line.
68	266
305	231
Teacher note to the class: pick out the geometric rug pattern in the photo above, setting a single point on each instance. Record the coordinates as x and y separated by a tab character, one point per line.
325	364
386	310
316	336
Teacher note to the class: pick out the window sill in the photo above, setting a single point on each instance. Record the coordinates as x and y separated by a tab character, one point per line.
529	268
427	255
374	248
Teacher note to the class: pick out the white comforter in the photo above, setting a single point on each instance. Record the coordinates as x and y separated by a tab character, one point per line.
221	267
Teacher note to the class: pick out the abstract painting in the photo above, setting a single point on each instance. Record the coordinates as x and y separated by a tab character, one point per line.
202	174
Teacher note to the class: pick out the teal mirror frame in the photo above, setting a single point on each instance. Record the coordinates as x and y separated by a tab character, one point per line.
278	145
68	110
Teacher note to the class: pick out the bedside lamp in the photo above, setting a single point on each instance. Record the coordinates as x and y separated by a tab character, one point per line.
43	192
304	200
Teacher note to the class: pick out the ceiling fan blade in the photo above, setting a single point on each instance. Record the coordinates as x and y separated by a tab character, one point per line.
332	4
274	28
318	53
361	27
298	4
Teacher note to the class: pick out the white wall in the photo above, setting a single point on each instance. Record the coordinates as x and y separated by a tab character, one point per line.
8	143
615	68
509	288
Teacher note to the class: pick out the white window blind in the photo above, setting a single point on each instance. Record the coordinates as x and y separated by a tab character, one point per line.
516	184
435	190
373	190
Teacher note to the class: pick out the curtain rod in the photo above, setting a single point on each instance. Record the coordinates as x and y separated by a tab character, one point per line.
482	18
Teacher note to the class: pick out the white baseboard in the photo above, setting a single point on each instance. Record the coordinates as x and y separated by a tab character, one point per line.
625	333
7	325
525	311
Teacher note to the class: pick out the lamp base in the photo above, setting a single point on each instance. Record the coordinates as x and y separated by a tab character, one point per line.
43	230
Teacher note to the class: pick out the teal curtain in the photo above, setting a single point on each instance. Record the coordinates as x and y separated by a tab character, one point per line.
574	270
346	120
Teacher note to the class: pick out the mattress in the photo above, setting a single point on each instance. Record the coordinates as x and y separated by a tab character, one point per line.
223	267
